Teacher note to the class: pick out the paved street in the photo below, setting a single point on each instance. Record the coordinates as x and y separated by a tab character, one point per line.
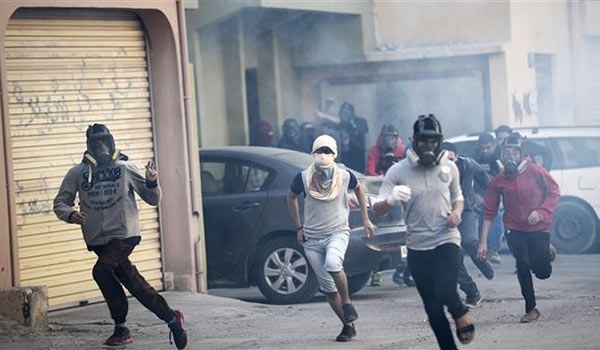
391	317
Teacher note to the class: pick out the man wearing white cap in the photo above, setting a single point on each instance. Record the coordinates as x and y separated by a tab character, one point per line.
325	233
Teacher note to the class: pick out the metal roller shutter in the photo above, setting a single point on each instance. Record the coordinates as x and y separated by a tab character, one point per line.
65	73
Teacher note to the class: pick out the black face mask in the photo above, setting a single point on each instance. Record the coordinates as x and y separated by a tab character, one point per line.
511	168
427	155
101	152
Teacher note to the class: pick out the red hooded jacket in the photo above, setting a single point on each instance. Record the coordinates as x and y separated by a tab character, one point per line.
374	156
533	189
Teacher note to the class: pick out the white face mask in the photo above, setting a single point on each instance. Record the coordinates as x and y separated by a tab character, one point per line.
324	160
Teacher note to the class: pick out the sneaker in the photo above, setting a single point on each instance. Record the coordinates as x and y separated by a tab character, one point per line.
376	279
552	253
397	278
473	300
120	336
348	332
494	257
177	331
531	316
408	280
350	314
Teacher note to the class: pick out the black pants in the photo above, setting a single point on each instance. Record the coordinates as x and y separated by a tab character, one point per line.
436	274
532	253
114	268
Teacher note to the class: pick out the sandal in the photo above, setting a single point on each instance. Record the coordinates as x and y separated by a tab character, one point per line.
465	334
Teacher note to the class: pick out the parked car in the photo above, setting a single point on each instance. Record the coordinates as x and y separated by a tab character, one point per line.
250	238
575	165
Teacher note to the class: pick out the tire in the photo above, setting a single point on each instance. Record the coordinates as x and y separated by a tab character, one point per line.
357	282
574	228
284	275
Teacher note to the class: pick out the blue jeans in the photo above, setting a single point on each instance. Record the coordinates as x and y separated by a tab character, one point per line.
470	241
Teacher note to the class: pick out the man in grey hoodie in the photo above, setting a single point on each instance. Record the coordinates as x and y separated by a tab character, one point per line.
108	216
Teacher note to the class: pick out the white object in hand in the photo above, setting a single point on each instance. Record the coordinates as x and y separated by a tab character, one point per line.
399	193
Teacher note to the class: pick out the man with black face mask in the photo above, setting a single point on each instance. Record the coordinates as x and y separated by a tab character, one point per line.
428	186
387	151
106	185
530	196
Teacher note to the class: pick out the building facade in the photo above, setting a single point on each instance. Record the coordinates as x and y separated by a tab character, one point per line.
475	65
66	65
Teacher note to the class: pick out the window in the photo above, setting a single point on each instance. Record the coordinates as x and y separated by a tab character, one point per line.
579	152
232	176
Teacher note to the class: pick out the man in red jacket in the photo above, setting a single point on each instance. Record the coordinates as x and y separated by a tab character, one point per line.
388	149
530	196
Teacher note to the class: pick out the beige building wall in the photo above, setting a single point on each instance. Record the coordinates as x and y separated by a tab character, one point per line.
539	28
427	23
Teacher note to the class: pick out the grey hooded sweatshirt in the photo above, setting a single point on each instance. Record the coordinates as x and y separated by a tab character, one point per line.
108	200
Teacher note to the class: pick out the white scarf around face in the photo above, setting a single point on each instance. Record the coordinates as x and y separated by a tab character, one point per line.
320	187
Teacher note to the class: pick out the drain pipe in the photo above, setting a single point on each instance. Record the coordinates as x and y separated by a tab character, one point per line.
193	160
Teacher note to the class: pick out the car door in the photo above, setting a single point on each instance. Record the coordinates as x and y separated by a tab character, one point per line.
233	203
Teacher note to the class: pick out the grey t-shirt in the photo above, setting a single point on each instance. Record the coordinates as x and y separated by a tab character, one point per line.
433	190
323	218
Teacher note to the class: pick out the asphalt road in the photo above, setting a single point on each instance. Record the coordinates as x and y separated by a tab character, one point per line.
391	317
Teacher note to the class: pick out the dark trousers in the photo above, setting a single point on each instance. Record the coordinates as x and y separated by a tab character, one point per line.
532	254
114	268
436	274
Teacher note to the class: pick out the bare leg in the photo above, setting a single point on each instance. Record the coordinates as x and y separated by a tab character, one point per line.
341	283
336	305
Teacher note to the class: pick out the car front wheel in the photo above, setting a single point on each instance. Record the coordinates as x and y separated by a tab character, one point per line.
574	229
285	276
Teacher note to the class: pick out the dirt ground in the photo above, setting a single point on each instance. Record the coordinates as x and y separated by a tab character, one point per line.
391	317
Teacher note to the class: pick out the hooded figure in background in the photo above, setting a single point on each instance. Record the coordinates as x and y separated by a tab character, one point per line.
308	134
291	135
262	135
388	150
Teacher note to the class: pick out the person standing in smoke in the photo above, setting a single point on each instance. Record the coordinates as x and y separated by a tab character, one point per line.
530	196
326	232
308	134
428	185
106	184
470	173
262	134
352	131
387	151
291	135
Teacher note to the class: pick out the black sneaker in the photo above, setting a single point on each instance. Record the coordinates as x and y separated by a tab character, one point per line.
473	300
348	332
177	331
350	314
120	336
